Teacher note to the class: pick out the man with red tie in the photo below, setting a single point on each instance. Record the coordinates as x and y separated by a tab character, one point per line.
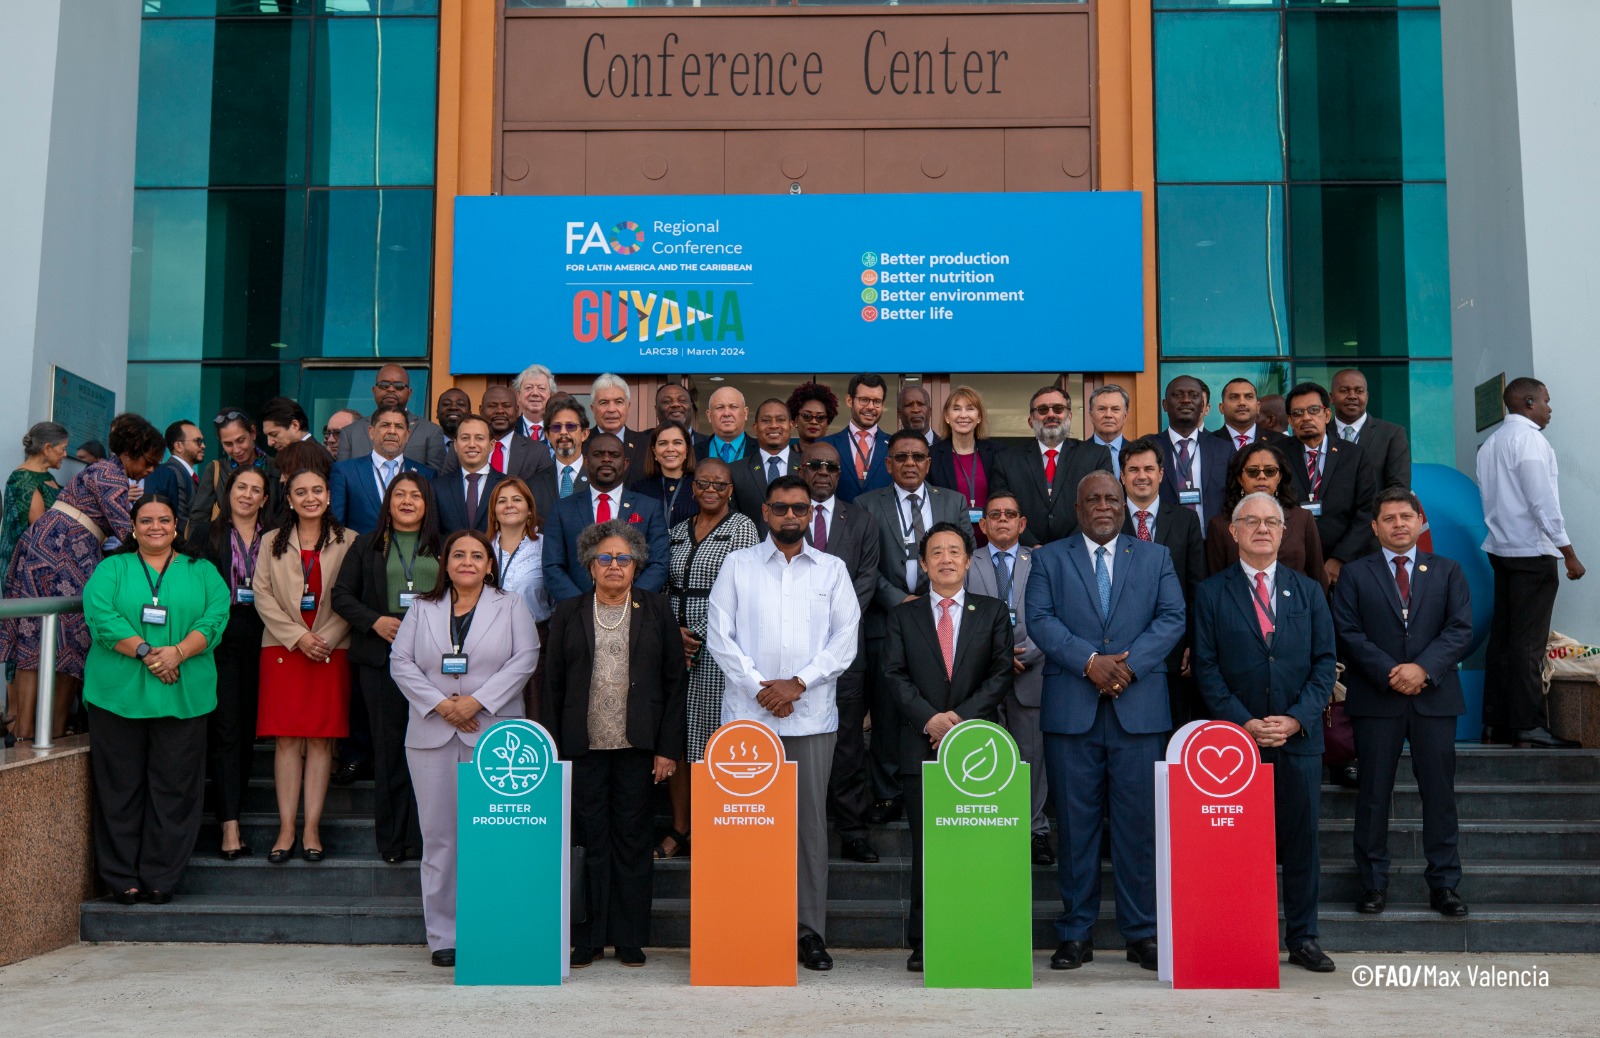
533	388
1044	475
513	454
862	446
603	500
1241	414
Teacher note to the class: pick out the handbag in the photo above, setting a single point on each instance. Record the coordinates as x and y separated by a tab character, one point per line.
1338	734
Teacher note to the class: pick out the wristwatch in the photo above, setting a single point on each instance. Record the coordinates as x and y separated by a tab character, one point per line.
142	651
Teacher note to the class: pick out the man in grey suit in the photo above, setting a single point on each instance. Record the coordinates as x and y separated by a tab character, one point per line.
904	512
1000	570
1384	443
393	389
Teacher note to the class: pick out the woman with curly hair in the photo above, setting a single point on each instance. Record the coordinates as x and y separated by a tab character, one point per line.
813	407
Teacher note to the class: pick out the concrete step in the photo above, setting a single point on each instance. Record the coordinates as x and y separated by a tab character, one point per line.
1484	802
261	797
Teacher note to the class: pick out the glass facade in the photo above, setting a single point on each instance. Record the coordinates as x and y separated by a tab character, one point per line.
1300	200
283	208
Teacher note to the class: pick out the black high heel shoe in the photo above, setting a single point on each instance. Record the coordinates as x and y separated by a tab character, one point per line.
279	855
312	853
242	851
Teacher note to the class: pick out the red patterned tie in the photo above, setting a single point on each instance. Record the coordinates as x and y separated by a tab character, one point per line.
947	635
1050	466
819	533
1144	524
1313	474
497	460
1244	441
602	509
1262	596
1402	581
863	450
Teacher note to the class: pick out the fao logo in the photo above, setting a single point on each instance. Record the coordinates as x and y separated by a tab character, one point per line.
626	238
513	757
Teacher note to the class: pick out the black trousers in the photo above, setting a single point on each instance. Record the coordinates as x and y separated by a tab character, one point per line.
611	805
1524	601
231	727
883	762
149	788
356	748
1379	741
1297	806
394	804
848	796
912	784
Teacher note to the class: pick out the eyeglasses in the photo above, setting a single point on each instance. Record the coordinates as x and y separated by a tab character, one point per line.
1251	522
1001	513
1261	471
779	509
391	384
1313	411
229	416
608	559
1048	409
904	456
822	466
712	484
812	416
564	427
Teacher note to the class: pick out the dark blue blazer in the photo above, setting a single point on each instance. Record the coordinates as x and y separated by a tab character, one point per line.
1147	621
1241	678
353	491
1215	457
850	487
1373	639
564	578
702	448
170	481
450	494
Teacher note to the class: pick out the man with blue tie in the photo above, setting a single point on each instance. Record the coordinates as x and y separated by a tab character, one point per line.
728	414
1403	620
862	446
1106	609
567	425
1107	413
357	485
1264	659
1194	465
772	459
602	501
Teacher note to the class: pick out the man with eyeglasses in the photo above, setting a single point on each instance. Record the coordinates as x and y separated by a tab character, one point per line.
336	424
861	444
1042	476
425	446
568	429
1264	660
605	458
1333	477
176	478
772	458
905	512
783	624
728	442
237	434
851	536
1384	443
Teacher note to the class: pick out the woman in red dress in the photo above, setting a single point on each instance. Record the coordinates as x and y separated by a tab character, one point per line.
305	677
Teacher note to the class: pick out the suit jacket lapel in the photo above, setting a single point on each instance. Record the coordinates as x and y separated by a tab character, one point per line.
1244	597
1080	558
924	621
1122	557
586	621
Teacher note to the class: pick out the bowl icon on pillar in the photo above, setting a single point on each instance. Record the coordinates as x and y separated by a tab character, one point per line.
743	758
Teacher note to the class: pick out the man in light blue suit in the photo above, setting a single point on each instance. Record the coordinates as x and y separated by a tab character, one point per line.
357	485
1106	609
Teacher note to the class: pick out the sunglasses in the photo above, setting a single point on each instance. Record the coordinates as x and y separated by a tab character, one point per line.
229	416
1261	471
1001	513
1048	409
822	466
563	427
781	509
391	384
608	559
905	456
712	484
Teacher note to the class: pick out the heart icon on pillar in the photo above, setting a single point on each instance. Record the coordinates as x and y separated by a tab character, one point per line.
1221	756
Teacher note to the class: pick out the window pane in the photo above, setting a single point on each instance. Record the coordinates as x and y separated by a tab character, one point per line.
368	283
1417	395
215	274
322	391
1371	271
191	8
258	102
1337	4
173	147
375	101
1218	104
1221	252
164	393
1269	377
1213	5
378	6
1366	96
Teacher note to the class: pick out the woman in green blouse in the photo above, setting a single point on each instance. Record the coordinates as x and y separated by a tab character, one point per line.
29	491
154	612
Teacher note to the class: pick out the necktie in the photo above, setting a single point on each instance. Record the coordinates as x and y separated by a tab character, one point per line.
1050	466
497	459
389	468
1144	524
914	501
535	430
1313	474
1244	441
947	636
1002	574
1185	465
602	509
863	452
1349	433
819	532
1102	580
472	496
1402	581
196	477
774	469
1261	597
566	481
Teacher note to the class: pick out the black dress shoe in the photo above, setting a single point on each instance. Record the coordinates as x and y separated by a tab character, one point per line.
814	954
630	956
1071	954
582	957
345	774
1494	735
126	897
394	857
1041	850
444	957
1371	902
1447	902
858	849
312	854
1144	952
914	960
242	851
159	897
1312	958
1346	775
1541	738
885	811
279	855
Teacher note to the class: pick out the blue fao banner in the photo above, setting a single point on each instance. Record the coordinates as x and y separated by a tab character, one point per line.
755	283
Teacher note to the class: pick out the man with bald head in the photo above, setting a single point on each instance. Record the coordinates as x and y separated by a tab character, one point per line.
916	411
1384	443
426	444
513	454
728	415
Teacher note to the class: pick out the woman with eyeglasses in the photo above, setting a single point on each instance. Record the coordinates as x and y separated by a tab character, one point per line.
698	547
462	655
668	470
614	704
380	580
1262	469
517	534
964	457
813	407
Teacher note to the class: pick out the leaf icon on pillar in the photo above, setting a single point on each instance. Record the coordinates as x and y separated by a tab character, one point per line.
980	764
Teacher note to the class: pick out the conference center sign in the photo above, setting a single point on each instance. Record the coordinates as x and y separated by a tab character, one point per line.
753	283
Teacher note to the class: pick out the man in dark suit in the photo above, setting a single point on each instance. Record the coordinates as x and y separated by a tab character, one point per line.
915	411
1385	443
605	499
728	414
904	512
1403	620
425	446
452	406
850	535
609	397
1240	417
357	485
513	454
1107	414
1149	518
861	444
1194	465
178	476
1044	475
673	403
567	426
1334	478
1264	659
773	457
1107	610
947	659
463	493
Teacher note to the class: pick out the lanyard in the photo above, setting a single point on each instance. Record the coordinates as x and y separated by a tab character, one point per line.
306	567
865	456
409	565
909	529
677	488
970	478
240	551
459	626
1265	604
506	560
155	585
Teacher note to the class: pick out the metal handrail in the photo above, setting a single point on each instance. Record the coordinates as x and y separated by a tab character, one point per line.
49	608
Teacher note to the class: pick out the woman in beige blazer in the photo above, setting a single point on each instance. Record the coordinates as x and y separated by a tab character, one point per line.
305	677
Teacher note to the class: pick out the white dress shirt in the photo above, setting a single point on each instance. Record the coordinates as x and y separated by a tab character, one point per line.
1340	427
505	447
1154	508
378	463
960	597
908	529
1272	584
466	489
614	495
772	618
522	574
1111	555
1517	475
1234	434
188	468
1194	465
855	444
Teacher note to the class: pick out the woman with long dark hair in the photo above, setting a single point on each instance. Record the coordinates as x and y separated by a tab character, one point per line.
668	470
1262	468
380	580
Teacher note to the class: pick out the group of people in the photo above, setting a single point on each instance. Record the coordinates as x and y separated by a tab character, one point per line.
859	592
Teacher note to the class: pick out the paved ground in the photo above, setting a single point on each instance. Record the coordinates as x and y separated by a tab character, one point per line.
179	991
